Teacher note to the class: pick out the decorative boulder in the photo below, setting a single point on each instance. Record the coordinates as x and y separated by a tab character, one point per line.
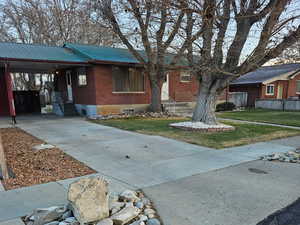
89	199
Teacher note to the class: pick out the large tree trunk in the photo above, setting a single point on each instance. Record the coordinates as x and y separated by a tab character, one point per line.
205	106
210	87
155	97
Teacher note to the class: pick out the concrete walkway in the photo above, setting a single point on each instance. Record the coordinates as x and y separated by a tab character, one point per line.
260	123
152	161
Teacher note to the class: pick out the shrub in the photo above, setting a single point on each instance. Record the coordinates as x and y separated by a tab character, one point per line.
225	106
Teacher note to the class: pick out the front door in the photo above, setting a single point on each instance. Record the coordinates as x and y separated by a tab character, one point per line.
279	91
69	85
165	89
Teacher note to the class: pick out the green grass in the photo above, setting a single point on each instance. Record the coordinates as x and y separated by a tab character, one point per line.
268	116
244	133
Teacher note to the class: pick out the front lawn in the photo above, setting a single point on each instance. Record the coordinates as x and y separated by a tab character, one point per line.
244	133
268	116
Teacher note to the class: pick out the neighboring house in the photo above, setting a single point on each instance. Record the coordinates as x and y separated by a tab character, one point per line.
269	82
91	79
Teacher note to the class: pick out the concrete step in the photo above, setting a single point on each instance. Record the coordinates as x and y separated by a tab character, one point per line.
70	110
180	109
177	104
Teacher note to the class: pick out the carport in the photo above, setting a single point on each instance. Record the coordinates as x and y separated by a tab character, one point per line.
24	58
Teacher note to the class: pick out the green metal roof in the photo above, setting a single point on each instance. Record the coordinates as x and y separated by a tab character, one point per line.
109	54
72	53
38	52
102	53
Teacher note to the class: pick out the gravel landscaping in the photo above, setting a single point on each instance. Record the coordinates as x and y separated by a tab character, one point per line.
34	162
291	157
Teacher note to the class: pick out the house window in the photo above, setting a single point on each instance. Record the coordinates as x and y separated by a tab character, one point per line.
270	89
298	86
185	76
127	79
82	78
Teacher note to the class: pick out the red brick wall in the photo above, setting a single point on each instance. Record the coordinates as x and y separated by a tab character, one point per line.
4	108
182	91
284	85
292	87
104	89
85	95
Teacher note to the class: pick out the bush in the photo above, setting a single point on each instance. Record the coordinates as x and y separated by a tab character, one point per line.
225	106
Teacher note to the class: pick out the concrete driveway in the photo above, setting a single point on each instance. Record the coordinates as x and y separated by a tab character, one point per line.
137	159
189	184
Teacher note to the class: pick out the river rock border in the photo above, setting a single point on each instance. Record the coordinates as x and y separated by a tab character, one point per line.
90	203
201	127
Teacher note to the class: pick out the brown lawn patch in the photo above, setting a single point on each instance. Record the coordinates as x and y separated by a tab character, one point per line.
36	167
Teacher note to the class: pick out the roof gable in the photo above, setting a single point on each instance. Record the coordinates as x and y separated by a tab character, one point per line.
102	53
266	73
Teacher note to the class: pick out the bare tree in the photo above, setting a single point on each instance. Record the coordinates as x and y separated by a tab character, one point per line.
53	22
152	26
222	50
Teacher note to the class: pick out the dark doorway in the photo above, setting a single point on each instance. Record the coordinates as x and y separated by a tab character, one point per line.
27	102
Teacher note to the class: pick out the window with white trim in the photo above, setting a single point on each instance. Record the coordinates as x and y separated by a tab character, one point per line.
185	76
270	89
298	86
81	77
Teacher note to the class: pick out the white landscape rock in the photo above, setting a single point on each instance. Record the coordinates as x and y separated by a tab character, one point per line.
146	201
89	199
153	222
200	125
125	215
139	204
107	221
148	212
138	223
42	216
143	218
129	195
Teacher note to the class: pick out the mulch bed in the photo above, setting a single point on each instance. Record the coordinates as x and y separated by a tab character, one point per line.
36	166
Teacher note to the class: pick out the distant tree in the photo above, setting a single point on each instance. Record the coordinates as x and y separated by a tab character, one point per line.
290	55
53	22
222	50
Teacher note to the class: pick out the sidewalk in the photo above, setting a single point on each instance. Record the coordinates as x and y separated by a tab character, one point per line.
259	123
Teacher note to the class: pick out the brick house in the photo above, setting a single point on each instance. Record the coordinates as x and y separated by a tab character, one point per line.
269	82
91	79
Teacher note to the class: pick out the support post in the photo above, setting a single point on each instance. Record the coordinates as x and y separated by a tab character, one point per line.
10	95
